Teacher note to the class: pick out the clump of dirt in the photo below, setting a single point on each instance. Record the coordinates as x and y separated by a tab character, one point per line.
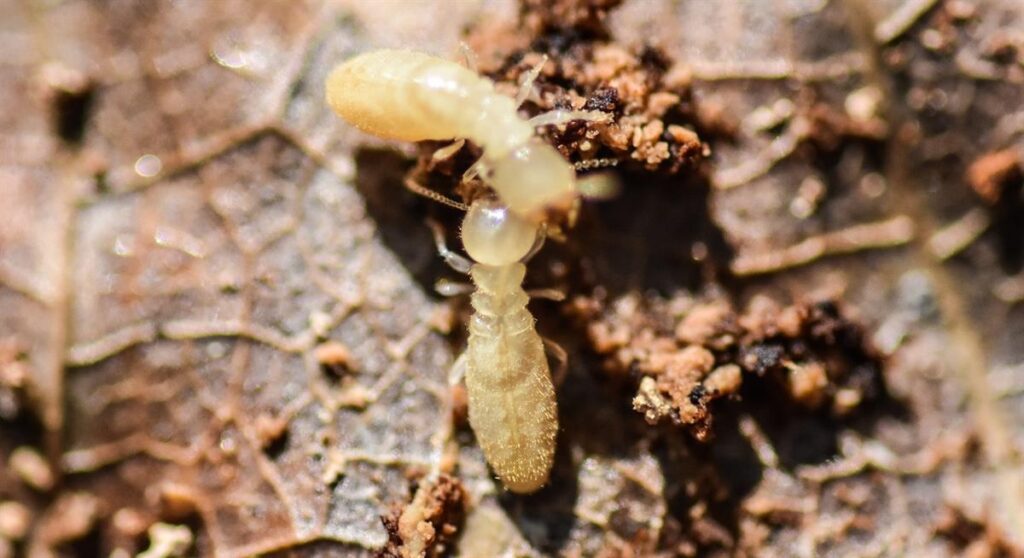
653	114
426	526
998	179
14	378
685	353
973	537
583	17
652	125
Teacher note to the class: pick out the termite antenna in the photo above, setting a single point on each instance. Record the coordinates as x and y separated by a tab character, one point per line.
526	85
595	163
422	190
469	57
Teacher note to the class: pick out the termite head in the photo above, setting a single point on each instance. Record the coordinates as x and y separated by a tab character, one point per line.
534	180
494	235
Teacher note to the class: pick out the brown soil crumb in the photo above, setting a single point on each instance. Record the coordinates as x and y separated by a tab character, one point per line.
993	173
70	94
828	129
71	517
426	527
687	353
998	179
269	429
652	109
334	358
653	116
15	520
31	468
973	538
14	378
546	16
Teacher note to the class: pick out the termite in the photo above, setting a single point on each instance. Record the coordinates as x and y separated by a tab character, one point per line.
512	407
411	96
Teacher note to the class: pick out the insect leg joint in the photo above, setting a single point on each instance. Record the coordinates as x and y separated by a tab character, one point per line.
457	262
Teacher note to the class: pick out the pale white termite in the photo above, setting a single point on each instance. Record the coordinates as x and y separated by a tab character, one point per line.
411	96
512	407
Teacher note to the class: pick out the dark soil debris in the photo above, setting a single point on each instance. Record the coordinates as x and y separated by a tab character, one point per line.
585	18
653	115
427	526
334	358
973	538
998	179
71	94
71	518
14	378
686	354
653	112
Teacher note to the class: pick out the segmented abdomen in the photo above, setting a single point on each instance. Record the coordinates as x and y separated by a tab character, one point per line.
404	95
512	405
411	96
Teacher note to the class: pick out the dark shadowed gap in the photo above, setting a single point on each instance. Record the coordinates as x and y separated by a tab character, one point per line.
91	545
656	235
401	215
71	110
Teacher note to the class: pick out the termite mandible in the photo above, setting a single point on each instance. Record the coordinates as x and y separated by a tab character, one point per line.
411	96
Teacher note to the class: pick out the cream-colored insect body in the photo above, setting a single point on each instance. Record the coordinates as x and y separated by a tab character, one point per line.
411	96
511	396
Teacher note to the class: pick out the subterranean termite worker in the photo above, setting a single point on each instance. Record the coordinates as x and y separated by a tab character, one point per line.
512	407
411	96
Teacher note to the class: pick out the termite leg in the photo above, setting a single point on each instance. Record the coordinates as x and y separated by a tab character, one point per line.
476	169
549	294
448	151
561	359
457	262
442	439
537	244
458	370
445	287
573	215
526	86
469	57
555	232
559	116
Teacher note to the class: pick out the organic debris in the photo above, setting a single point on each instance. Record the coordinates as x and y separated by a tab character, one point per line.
653	120
14	378
998	179
973	537
426	527
689	353
653	113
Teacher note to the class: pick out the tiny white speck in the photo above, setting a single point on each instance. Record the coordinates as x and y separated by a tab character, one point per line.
320	323
229	58
148	165
227	444
179	240
216	350
124	245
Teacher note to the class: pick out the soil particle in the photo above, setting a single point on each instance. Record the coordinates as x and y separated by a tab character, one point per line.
686	361
654	125
998	179
427	526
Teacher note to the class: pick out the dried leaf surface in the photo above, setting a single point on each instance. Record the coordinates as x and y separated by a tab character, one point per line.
221	296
